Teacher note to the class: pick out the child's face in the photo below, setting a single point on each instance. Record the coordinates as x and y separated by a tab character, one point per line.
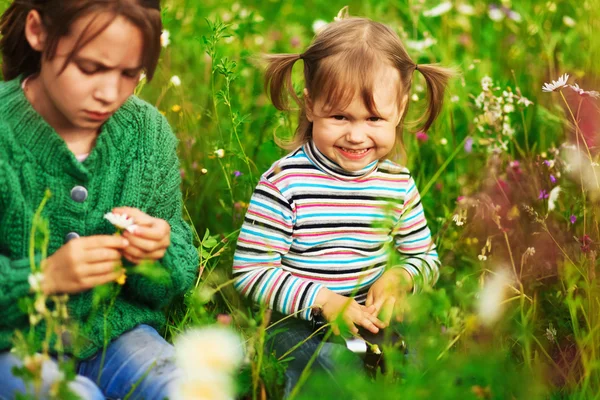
98	80
353	137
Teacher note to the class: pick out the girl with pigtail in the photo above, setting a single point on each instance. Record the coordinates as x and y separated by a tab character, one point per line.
336	227
69	123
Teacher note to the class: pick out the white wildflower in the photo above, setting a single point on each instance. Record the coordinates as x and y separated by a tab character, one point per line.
582	169
524	101
318	26
508	108
491	297
165	38
486	83
581	92
552	197
420	45
557	84
438	10
458	219
244	13
482	257
121	221
530	251
220	153
175	80
568	21
414	97
259	40
454	99
204	171
35	281
496	14
465	9
208	358
443	141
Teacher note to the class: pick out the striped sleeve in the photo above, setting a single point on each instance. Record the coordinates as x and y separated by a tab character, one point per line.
265	237
418	255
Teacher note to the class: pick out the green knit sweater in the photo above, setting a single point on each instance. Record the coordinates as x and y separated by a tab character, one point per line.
134	163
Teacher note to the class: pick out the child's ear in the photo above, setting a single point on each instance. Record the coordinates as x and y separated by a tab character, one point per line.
35	31
402	108
308	105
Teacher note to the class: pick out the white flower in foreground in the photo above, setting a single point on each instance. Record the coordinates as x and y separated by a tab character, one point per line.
165	38
491	297
318	25
557	84
175	80
438	10
35	281
581	92
568	21
121	221
465	9
552	197
215	347
496	14
208	358
420	45
220	153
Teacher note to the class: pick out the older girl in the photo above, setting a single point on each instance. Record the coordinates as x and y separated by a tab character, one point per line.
69	122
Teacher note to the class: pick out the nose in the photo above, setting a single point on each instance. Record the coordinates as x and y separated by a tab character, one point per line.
108	89
356	133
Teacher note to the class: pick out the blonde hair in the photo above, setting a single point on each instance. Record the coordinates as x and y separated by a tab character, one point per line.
342	60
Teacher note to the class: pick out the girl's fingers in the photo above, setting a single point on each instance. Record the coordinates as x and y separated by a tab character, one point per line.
369	300
103	241
143	244
140	218
160	230
103	254
101	268
97	280
366	323
132	259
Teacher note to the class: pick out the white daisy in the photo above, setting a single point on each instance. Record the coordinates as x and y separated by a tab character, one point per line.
165	38
552	197
175	80
438	10
557	84
121	221
581	92
319	25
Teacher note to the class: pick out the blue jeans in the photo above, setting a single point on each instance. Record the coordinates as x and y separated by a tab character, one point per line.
140	356
333	358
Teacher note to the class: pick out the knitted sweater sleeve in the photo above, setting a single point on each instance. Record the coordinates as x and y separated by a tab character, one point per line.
418	255
165	202
265	237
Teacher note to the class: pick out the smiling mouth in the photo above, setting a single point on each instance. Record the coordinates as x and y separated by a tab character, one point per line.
355	151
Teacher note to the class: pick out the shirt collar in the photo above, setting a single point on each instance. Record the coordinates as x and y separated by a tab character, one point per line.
331	168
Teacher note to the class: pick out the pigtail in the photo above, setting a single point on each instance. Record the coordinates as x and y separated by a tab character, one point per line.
437	79
278	79
17	55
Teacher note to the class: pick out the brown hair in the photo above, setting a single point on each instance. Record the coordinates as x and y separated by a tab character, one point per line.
58	16
344	57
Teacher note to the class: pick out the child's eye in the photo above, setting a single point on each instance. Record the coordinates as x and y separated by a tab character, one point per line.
338	117
375	119
131	74
87	71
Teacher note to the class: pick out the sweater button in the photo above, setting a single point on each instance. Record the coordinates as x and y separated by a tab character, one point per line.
79	194
71	236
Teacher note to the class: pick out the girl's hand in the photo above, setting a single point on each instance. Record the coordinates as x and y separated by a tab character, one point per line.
387	294
82	264
332	305
150	239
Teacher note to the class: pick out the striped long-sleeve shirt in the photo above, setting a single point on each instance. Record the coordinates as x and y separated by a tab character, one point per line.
310	224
